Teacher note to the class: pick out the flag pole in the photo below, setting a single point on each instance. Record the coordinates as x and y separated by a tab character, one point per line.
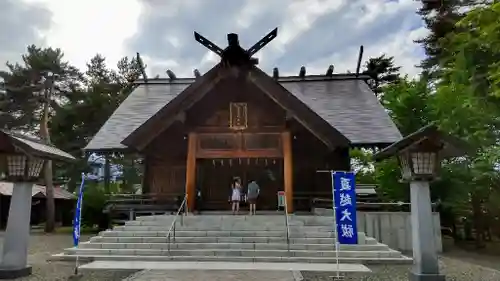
77	223
335	228
334	220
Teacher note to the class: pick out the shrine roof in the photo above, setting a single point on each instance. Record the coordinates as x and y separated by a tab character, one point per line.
342	100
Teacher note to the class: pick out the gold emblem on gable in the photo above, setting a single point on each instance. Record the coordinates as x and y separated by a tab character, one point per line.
238	115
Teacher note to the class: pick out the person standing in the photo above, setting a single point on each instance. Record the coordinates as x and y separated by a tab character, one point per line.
236	195
198	201
253	194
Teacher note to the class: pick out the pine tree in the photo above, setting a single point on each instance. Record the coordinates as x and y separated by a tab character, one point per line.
382	71
440	17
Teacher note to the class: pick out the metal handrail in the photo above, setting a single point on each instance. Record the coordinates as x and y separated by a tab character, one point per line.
172	226
287	226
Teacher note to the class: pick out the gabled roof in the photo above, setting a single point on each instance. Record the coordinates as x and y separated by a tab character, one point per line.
451	146
164	117
140	105
343	101
13	142
37	191
350	106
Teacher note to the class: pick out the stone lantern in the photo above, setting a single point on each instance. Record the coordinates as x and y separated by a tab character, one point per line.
420	155
22	160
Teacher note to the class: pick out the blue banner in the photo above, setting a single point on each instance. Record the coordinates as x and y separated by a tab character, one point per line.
78	214
344	198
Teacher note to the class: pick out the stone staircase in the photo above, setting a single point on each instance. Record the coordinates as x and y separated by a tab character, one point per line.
260	238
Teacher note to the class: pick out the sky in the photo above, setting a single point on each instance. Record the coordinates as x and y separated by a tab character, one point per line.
311	33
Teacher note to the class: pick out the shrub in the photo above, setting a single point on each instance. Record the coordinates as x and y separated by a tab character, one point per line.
94	200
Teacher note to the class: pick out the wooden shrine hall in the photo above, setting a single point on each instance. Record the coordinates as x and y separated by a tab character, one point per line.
197	134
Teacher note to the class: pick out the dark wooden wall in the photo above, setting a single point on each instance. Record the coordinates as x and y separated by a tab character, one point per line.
166	155
211	113
165	161
311	159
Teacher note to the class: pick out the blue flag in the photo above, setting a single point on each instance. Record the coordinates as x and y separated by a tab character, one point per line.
344	197
78	214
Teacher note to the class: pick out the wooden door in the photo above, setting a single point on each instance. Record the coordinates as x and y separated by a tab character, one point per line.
269	176
215	177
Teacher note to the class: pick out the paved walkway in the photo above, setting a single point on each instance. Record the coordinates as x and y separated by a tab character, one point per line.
211	275
231	266
219	271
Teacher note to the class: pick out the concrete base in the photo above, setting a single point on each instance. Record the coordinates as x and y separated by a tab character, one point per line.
426	277
13	273
17	234
242	266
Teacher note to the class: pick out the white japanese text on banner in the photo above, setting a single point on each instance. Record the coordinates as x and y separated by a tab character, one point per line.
344	192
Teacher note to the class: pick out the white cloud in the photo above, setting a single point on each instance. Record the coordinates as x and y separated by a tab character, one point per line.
314	33
299	17
84	28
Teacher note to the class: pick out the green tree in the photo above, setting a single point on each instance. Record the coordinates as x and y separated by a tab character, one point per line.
408	104
382	71
34	91
466	104
83	115
440	18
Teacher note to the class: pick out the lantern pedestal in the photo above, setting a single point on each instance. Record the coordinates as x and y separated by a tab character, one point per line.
17	234
425	258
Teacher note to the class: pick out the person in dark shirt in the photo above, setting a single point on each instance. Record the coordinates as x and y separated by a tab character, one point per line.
253	194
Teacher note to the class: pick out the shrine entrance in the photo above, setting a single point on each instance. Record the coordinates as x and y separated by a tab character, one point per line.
214	178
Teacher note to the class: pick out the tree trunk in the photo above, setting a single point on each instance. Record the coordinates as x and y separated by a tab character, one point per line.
47	171
478	221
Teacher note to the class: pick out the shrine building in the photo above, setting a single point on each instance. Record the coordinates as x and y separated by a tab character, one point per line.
197	134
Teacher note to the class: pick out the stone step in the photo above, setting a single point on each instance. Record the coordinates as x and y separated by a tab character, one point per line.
252	239
234	252
215	224
218	233
254	227
224	220
241	233
242	217
226	238
242	246
279	216
86	257
223	228
208	220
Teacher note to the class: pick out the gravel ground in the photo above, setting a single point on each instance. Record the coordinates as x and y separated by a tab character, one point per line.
42	246
454	269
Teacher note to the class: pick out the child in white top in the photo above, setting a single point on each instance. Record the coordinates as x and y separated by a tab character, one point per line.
236	195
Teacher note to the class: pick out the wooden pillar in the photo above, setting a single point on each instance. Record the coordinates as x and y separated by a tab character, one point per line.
288	169
191	171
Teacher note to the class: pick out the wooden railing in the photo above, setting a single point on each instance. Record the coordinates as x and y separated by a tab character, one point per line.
129	205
